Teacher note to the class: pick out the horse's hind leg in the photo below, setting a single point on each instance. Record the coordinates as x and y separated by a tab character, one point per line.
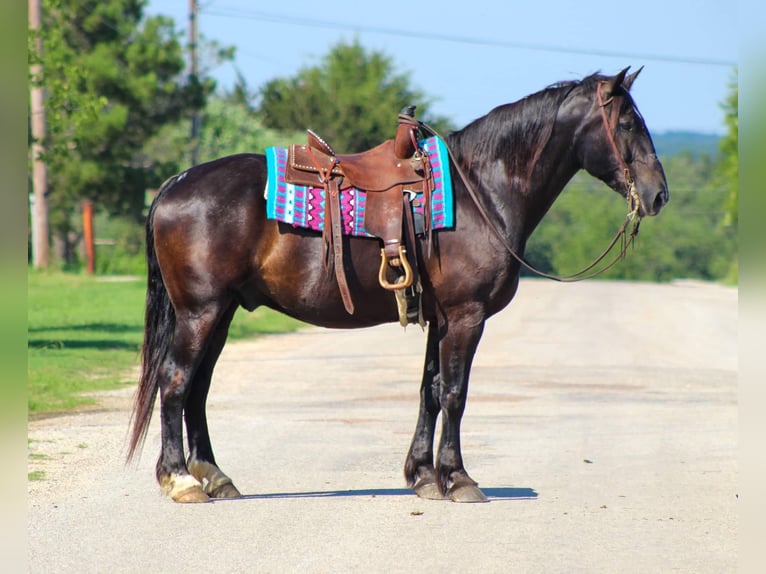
201	461
191	338
419	465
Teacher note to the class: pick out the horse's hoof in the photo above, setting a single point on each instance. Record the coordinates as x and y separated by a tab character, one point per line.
227	490
215	483
467	493
428	490
193	494
183	488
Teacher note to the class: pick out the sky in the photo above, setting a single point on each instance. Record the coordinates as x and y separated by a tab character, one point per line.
470	57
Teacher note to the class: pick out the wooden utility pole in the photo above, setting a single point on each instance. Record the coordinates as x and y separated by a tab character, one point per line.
89	236
193	75
39	199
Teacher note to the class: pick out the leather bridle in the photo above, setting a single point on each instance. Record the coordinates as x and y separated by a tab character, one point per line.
634	203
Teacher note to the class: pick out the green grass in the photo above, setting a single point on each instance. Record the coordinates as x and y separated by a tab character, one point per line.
39	456
84	335
36	475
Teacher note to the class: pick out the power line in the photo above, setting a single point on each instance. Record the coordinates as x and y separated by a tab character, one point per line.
225	12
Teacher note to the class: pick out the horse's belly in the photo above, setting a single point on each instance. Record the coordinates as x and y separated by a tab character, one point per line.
293	279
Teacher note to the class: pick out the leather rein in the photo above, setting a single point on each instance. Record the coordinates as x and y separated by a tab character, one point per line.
626	238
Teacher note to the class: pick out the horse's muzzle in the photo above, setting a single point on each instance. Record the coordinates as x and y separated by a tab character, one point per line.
652	204
662	197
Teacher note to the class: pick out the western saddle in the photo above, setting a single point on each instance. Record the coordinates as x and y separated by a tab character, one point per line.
392	174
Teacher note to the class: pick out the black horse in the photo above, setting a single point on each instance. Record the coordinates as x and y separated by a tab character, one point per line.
211	249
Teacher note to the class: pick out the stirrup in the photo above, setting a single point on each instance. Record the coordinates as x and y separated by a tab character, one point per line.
409	305
407	282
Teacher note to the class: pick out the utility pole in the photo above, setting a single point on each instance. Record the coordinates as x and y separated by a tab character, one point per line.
193	75
88	236
39	199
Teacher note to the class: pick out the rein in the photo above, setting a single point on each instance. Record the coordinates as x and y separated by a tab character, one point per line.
633	199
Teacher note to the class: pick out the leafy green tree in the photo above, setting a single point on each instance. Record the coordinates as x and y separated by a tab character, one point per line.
729	167
240	93
688	233
685	241
351	99
68	107
227	126
113	79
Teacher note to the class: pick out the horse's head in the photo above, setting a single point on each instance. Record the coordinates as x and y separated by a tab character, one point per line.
614	144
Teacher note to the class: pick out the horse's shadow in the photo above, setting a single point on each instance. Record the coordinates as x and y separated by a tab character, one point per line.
496	493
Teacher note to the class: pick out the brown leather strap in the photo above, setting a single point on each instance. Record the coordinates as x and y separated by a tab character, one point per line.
633	199
408	236
336	223
325	176
333	229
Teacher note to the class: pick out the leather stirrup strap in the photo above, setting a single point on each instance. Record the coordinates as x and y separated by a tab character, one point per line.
428	188
327	232
333	226
331	190
408	236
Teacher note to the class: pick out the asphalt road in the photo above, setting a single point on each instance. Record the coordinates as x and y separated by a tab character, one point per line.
601	422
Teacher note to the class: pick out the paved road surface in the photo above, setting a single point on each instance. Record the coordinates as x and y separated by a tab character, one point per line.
601	422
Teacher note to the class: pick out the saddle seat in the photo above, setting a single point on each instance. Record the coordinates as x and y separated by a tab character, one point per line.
394	162
388	173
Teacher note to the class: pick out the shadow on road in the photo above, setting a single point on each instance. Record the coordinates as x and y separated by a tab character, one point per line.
498	493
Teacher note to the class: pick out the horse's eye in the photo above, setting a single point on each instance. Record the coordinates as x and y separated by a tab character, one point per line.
627	125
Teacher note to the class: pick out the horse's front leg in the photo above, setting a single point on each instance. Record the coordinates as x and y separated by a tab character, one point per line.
419	466
459	339
201	461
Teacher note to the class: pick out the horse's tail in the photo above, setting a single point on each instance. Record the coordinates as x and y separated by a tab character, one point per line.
159	325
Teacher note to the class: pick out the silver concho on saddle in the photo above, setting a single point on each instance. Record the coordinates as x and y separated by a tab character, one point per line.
392	174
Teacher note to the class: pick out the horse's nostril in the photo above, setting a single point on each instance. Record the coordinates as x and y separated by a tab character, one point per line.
660	199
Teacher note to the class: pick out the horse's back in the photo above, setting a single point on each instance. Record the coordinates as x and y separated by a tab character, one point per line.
227	180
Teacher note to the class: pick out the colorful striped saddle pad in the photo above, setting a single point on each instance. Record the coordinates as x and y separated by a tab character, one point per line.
303	206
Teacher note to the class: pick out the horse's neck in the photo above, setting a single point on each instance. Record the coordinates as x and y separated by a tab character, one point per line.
518	202
554	170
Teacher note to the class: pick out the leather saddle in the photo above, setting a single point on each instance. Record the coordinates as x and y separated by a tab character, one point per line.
391	173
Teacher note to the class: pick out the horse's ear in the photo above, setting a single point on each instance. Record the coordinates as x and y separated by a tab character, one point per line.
630	78
609	87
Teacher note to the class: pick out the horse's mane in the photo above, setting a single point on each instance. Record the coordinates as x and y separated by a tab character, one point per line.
516	133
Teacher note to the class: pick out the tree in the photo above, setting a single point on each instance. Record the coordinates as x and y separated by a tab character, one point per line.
729	168
227	126
351	99
685	241
113	79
